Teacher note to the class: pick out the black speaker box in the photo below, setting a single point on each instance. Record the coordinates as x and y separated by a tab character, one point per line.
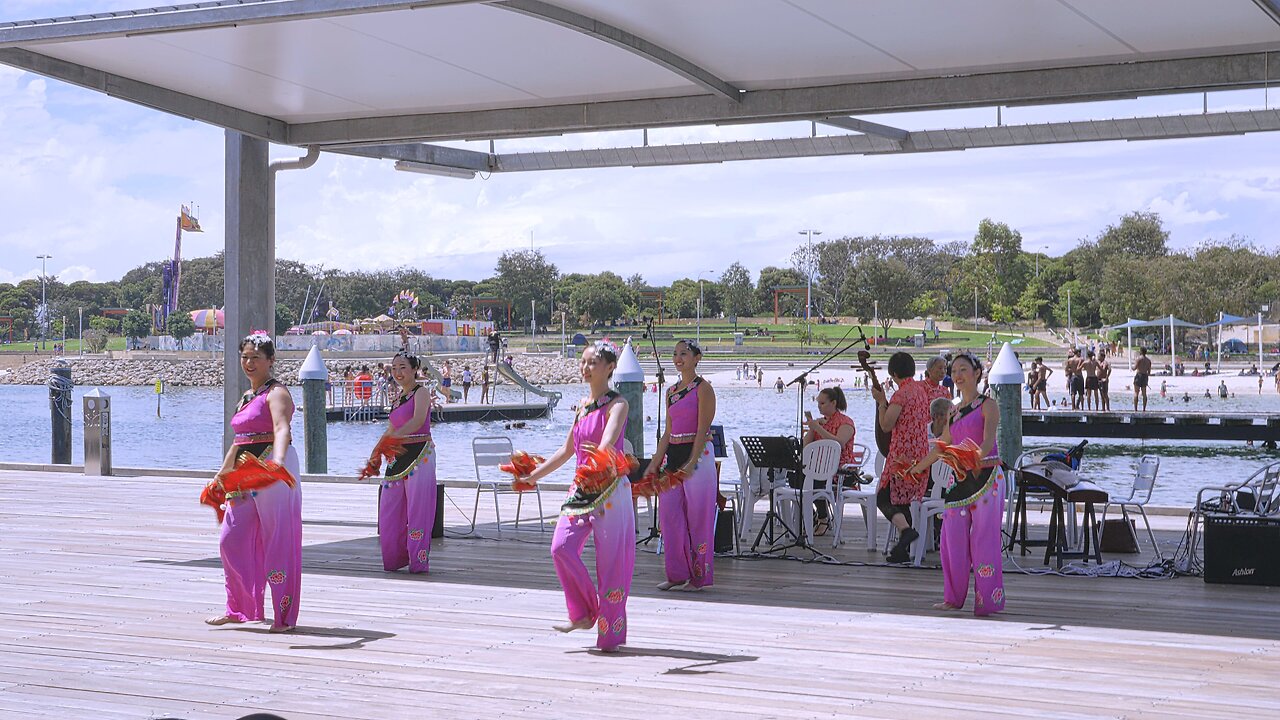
1242	550
725	526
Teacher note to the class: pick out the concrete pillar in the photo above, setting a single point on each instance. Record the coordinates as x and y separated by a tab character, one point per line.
313	374
249	290
1008	379
60	390
628	378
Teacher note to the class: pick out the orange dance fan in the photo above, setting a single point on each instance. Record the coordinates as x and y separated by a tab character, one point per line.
521	466
601	467
654	484
388	448
963	458
901	467
249	474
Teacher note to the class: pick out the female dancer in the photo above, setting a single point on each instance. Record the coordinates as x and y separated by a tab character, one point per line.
262	529
600	422
975	504
687	512
407	501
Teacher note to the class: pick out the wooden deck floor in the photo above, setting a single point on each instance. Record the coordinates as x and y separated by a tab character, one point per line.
106	581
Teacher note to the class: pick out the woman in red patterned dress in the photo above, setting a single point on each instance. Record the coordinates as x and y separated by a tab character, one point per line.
907	417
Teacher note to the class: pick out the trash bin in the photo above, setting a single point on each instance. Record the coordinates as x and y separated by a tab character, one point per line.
97	433
737	338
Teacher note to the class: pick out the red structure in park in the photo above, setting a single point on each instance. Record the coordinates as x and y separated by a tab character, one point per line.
799	290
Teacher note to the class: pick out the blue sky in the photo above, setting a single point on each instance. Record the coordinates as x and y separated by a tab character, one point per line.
97	182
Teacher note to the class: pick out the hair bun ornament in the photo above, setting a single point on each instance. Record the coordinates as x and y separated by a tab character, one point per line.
607	344
257	337
692	345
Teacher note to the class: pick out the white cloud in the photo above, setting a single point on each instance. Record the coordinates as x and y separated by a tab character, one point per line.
1179	211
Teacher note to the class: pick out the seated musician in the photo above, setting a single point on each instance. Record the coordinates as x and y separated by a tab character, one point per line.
833	425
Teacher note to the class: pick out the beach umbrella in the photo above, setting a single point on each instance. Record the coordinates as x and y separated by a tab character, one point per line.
210	319
342	331
319	332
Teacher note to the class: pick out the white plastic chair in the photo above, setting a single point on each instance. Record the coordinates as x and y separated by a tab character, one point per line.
820	459
1144	481
865	497
753	486
923	511
490	452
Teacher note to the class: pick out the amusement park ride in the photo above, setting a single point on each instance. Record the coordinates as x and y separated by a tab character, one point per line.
172	272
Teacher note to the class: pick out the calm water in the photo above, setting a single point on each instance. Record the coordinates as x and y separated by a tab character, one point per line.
188	434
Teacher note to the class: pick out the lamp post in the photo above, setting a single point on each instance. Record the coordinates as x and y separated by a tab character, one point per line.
808	288
44	304
80	330
975	304
699	330
1264	308
1042	247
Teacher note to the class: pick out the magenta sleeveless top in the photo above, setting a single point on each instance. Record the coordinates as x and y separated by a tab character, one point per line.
403	413
252	422
590	428
972	427
682	413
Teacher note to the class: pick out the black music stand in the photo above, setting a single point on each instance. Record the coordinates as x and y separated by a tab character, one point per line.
773	454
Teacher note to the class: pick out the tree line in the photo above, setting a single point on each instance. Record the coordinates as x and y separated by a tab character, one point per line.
1127	270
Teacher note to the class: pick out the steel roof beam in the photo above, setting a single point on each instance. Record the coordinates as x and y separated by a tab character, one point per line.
152	96
625	40
1142	128
866	127
1057	85
426	154
195	16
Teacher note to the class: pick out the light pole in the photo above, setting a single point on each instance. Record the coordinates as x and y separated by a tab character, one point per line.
975	304
699	331
1042	247
44	304
80	330
1264	308
808	288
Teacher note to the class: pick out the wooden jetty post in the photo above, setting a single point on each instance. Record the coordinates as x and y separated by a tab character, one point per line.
315	431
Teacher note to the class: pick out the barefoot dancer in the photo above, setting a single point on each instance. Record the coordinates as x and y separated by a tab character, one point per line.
687	512
407	501
975	504
262	531
600	421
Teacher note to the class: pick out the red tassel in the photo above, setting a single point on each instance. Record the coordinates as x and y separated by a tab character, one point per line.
963	458
521	466
601	467
654	484
387	450
249	474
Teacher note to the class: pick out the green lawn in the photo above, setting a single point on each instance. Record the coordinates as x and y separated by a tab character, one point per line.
73	346
721	333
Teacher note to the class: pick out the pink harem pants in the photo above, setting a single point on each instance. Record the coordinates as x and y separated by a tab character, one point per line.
971	540
261	545
406	514
687	516
614	528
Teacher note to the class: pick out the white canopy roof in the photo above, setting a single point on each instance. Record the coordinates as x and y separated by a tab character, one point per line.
329	72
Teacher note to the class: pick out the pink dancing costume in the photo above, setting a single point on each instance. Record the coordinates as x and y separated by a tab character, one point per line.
608	516
261	540
407	499
687	512
971	525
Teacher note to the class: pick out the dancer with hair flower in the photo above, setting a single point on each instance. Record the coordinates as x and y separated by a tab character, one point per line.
599	508
687	512
261	540
407	499
974	505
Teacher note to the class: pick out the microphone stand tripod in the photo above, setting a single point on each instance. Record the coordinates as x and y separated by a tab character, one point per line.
801	382
653	533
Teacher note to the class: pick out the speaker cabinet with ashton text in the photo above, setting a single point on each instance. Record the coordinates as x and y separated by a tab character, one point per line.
1242	549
